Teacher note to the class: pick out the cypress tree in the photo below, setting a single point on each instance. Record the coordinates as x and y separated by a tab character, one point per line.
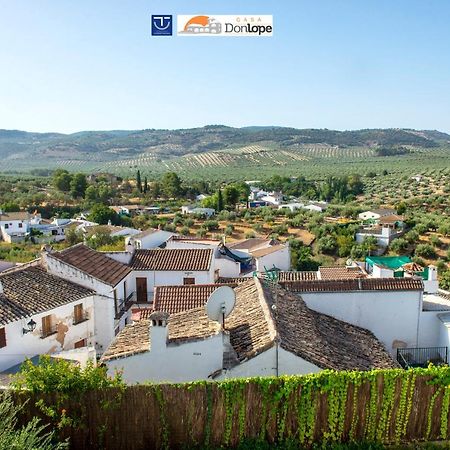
139	181
219	200
145	185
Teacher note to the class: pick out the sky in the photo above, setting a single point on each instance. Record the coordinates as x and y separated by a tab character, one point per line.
69	65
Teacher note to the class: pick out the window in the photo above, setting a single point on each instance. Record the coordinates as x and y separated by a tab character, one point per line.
47	326
78	313
79	344
20	225
2	338
188	280
6	226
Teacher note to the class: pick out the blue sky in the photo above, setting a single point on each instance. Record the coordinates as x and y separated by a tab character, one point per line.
340	64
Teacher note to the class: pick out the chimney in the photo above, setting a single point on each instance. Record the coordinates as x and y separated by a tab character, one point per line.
159	331
432	273
130	247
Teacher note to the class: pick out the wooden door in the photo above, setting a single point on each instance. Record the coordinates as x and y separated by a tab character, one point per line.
141	290
188	280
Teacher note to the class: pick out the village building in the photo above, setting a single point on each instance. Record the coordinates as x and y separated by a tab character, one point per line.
205	212
148	239
268	333
15	226
41	313
111	280
259	255
169	267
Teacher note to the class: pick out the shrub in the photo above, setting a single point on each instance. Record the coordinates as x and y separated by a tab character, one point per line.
249	235
425	251
211	225
31	436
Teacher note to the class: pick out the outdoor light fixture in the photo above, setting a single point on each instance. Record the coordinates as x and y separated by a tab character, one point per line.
31	327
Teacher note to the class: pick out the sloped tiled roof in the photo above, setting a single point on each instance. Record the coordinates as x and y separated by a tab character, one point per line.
268	250
249	244
20	215
173	299
324	341
320	339
232	280
183	327
93	263
297	276
173	259
341	273
351	285
32	290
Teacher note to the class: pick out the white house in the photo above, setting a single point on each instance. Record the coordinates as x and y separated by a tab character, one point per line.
376	214
389	307
225	266
189	209
41	313
258	340
151	238
259	254
15	226
111	281
273	198
170	267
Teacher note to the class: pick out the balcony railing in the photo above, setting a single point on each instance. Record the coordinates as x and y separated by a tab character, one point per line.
422	357
125	305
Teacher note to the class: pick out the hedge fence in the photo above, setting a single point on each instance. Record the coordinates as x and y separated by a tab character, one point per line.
385	406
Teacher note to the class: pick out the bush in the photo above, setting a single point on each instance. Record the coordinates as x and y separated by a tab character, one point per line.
31	436
249	235
425	251
211	225
327	244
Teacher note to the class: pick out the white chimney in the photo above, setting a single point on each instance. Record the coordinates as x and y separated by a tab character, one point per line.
159	331
130	247
431	284
1	288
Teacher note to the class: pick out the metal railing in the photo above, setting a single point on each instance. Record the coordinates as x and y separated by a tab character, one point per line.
422	357
125	305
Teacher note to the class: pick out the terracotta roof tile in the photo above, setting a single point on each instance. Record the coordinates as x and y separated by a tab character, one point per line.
232	280
341	273
174	299
93	263
176	259
352	285
324	341
297	276
32	290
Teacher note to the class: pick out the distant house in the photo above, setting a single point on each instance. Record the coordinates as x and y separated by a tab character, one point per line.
382	225
206	212
41	313
273	198
188	346
128	210
257	254
111	230
150	238
15	226
310	206
376	214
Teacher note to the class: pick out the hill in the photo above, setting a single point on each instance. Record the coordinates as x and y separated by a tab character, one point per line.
211	146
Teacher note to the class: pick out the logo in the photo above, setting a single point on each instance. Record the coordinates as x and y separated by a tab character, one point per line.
221	25
161	25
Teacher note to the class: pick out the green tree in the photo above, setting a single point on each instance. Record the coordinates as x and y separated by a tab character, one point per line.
78	185
220	202
139	181
91	193
62	180
145	185
231	195
102	214
171	185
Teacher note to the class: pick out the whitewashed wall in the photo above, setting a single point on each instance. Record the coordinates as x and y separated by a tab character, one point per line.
280	259
429	329
390	315
20	346
175	363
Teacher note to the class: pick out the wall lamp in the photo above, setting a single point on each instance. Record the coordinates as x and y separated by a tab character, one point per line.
31	327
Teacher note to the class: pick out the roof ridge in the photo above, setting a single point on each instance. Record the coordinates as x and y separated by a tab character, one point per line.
265	308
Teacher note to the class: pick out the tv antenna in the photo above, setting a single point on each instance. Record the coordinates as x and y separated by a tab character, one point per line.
220	304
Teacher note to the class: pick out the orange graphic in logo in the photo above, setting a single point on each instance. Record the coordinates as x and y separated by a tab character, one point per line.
202	24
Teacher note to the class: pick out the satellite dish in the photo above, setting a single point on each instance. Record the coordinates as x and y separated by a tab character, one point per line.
349	262
220	303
